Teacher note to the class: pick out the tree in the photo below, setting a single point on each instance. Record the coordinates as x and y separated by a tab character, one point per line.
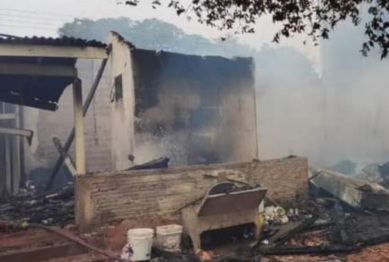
313	17
153	34
275	66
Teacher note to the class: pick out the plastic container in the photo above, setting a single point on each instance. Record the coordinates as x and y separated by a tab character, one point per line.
140	241
169	237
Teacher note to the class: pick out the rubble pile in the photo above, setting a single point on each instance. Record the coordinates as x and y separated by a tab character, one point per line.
317	233
52	208
345	215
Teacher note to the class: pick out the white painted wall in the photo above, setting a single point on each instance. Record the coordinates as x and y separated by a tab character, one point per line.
122	117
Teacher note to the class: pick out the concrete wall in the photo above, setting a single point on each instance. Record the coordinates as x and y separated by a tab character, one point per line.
195	110
122	121
155	194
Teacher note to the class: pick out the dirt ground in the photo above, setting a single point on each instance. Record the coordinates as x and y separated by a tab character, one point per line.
379	253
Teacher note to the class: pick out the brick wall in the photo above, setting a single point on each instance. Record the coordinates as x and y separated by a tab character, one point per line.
155	194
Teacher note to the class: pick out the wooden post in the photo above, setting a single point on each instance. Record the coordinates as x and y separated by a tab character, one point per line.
16	156
79	128
256	124
7	168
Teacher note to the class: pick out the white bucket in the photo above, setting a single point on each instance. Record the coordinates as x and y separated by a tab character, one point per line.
169	237
140	240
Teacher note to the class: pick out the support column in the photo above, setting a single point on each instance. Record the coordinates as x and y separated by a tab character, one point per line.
79	128
16	154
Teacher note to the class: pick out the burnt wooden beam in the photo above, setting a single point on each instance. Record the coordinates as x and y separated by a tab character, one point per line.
16	99
303	250
69	163
17	132
299	228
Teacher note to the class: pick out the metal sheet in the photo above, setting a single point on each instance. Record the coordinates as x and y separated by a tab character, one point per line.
232	203
38	91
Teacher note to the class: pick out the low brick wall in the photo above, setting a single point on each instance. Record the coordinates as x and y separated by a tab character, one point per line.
152	196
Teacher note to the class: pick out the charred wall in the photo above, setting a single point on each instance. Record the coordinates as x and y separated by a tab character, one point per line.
154	195
193	109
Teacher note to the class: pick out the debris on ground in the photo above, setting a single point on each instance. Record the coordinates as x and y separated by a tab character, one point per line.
344	221
354	192
162	162
51	208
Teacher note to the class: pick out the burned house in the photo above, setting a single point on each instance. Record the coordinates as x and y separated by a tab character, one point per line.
147	104
200	112
192	109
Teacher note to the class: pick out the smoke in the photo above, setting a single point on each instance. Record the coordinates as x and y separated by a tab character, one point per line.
343	115
340	115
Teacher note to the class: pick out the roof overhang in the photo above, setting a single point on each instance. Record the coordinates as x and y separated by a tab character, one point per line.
35	71
29	50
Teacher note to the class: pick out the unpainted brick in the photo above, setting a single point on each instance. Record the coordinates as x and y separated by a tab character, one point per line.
127	195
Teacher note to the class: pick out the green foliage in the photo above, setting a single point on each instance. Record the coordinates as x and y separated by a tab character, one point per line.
312	17
152	34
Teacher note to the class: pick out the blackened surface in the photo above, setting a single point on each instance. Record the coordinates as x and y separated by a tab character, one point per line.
39	92
147	70
185	99
36	91
211	75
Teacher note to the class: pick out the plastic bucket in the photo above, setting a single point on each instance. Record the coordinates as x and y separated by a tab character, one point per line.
140	241
169	237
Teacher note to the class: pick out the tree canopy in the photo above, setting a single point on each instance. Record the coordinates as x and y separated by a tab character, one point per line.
316	18
154	34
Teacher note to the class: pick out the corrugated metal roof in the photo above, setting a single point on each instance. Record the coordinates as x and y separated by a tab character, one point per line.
38	91
35	91
61	41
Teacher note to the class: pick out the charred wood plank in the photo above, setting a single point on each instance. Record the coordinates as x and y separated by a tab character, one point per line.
69	163
162	162
302	250
299	228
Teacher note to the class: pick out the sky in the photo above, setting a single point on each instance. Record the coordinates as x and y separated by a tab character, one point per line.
43	17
